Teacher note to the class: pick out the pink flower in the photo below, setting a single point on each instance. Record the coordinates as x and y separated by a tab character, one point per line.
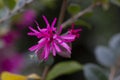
74	31
50	41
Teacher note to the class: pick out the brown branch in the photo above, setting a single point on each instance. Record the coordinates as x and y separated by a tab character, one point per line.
45	72
81	13
62	13
112	73
14	12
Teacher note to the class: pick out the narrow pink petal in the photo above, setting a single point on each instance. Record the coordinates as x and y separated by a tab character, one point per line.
38	28
38	46
42	40
41	43
37	25
56	47
46	21
41	55
31	34
65	54
43	30
53	23
36	51
68	37
60	30
65	45
33	47
53	50
33	30
77	30
47	51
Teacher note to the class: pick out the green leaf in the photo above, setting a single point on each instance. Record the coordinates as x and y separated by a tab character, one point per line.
87	15
1	4
63	68
10	3
73	8
48	3
83	23
116	2
94	72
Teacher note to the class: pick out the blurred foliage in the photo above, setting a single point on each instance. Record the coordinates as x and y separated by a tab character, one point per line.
10	3
116	2
94	72
73	9
106	56
99	25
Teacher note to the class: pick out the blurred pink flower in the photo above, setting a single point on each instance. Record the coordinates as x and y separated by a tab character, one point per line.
10	37
26	19
50	40
12	62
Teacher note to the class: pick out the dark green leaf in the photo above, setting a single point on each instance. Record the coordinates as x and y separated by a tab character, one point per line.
87	15
63	68
73	8
48	3
83	23
10	3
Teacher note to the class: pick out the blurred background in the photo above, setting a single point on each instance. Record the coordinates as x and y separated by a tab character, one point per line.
97	49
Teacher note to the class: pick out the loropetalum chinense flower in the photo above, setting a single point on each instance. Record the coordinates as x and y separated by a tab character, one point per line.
51	40
74	31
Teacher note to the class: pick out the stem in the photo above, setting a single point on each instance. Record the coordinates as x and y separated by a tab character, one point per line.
81	13
62	13
14	11
112	73
45	72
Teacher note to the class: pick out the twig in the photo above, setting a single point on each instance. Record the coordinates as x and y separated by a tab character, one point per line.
112	73
62	13
46	69
14	11
81	13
